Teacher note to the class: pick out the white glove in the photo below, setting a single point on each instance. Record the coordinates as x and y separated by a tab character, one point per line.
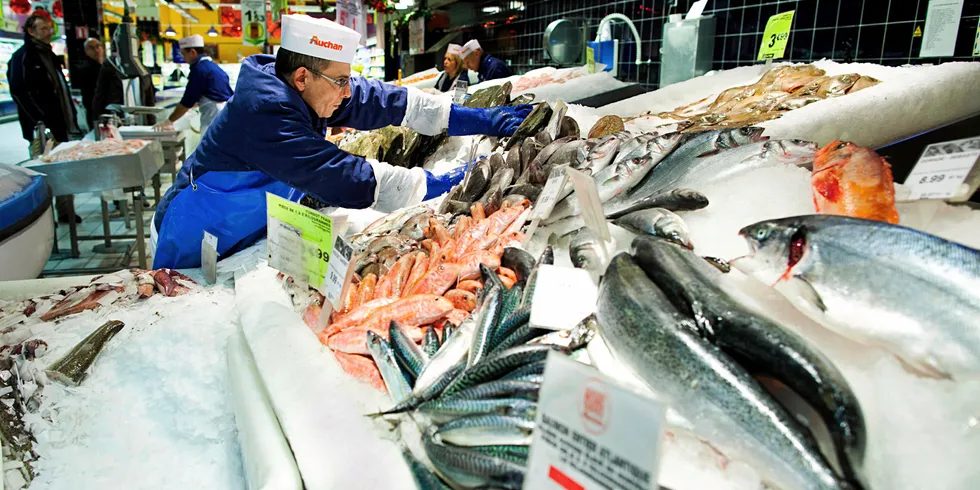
397	187
426	113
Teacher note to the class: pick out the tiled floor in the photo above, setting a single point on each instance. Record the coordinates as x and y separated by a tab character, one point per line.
13	149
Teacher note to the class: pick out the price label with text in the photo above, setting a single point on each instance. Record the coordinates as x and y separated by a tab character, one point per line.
549	195
776	36
592	433
459	94
590	59
254	30
563	297
942	168
300	240
338	272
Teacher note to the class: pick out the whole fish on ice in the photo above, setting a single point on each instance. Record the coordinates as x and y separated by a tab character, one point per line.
850	180
915	294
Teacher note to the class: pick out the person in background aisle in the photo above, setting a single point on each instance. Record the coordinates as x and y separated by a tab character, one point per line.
108	87
88	75
40	91
489	67
452	64
271	139
207	85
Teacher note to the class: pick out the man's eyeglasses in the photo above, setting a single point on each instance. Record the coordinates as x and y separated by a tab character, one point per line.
340	83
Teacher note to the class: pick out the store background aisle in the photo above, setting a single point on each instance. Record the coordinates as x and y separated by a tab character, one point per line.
13	150
13	147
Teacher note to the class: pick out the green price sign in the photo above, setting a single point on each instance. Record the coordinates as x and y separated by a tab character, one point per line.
300	240
254	30
776	36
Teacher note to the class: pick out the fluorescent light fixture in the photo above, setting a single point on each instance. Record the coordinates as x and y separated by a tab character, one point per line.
212	32
491	10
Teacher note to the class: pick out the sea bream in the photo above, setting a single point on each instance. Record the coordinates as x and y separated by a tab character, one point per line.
726	405
912	293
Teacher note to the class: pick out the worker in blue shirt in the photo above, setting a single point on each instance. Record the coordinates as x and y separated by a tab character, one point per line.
271	139
207	85
487	66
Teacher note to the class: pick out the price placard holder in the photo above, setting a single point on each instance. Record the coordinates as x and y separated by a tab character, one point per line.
592	433
591	205
776	36
300	240
553	188
209	258
946	170
459	91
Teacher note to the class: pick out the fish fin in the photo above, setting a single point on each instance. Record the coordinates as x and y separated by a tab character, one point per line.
800	287
922	369
709	153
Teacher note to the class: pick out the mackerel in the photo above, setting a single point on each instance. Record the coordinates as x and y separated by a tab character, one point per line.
395	380
471	469
485	430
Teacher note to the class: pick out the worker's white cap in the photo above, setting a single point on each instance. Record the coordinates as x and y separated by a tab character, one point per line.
320	38
454	49
470	46
195	41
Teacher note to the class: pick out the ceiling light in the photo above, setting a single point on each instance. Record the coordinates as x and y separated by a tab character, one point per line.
170	31
212	32
491	10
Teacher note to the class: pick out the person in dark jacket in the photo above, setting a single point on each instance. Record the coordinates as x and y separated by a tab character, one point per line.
488	67
453	66
37	84
87	76
108	89
39	88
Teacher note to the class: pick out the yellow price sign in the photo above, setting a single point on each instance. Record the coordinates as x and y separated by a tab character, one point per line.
590	59
776	36
300	240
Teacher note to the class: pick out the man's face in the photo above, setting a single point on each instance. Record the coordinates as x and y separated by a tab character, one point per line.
95	51
472	62
189	54
323	95
41	31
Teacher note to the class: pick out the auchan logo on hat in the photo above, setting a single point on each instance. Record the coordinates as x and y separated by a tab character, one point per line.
326	44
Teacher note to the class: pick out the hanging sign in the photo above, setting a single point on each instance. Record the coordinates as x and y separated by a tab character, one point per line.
300	240
351	13
254	27
776	36
416	36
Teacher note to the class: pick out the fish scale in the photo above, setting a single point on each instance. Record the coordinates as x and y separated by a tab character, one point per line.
499	364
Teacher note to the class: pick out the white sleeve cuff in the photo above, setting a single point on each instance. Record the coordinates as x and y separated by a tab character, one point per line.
427	114
396	187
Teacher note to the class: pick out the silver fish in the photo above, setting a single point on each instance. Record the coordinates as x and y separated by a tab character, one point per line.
391	373
442	411
453	351
467	468
587	252
660	223
915	294
408	354
488	316
724	403
487	430
423	476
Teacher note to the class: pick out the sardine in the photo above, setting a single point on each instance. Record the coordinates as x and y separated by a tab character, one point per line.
762	346
485	430
72	368
724	403
658	222
393	376
442	410
918	295
472	469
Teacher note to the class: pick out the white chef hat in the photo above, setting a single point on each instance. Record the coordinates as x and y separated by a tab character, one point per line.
470	46
195	41
454	49
320	38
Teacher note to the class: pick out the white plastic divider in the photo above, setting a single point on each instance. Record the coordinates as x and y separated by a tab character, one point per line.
320	408
266	458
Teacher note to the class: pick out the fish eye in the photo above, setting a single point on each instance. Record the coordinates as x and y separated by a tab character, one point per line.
761	233
841	146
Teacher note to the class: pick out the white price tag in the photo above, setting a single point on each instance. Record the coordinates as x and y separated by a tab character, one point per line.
549	195
209	257
942	168
563	297
558	113
459	93
592	433
590	203
287	250
338	270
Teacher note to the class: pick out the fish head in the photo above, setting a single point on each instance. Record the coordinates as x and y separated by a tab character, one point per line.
780	249
733	138
799	153
692	196
835	153
374	342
